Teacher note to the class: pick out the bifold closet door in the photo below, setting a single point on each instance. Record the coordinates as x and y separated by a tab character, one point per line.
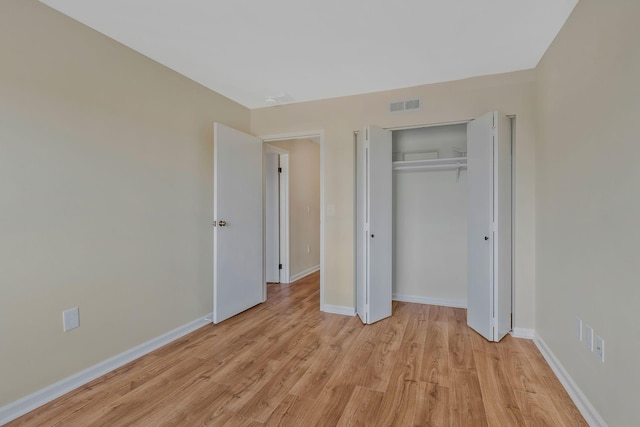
489	225
373	224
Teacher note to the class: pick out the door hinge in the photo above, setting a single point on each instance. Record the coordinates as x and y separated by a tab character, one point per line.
279	266
366	131
279	170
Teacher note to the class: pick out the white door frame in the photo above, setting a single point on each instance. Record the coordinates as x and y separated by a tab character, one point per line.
318	136
284	210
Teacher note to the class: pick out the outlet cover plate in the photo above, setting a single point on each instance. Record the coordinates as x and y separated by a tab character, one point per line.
600	348
70	319
589	337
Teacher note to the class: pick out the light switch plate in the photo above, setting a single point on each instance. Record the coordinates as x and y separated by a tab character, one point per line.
600	348
578	329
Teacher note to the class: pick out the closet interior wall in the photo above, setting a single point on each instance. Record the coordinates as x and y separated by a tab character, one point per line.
430	217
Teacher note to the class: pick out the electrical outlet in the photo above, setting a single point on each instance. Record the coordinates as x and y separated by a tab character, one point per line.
589	337
600	348
70	319
578	329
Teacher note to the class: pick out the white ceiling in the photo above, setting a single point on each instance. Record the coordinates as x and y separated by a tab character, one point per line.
248	50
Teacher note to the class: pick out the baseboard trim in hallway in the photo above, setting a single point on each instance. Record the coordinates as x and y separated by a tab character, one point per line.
304	273
338	309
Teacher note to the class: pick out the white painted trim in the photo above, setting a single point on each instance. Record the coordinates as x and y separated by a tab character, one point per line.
285	218
431	301
303	134
429	125
585	407
316	135
338	309
523	333
28	403
355	220
304	273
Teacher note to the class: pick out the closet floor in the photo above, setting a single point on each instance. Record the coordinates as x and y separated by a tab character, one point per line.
286	363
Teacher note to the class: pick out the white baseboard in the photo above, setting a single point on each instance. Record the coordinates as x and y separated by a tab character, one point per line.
29	403
523	333
431	301
585	407
338	309
304	273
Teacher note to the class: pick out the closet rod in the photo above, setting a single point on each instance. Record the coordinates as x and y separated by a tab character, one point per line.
429	167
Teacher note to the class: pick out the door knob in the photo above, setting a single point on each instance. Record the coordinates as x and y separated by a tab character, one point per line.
222	223
486	238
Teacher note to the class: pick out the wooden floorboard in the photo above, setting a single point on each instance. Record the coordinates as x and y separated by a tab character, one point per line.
285	363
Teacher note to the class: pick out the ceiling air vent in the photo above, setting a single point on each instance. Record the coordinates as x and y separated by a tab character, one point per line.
406	106
396	107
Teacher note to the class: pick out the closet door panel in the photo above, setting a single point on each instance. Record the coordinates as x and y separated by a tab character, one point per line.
503	219
361	224
480	236
380	223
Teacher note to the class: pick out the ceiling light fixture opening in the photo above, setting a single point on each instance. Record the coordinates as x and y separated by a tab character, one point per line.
279	99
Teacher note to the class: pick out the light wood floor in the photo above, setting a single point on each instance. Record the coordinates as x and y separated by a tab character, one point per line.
286	363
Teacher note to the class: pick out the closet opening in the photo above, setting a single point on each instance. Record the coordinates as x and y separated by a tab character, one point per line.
429	187
434	217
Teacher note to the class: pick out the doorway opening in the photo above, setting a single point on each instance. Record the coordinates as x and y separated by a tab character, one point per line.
293	207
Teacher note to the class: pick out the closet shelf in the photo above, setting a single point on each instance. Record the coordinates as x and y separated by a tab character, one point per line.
437	164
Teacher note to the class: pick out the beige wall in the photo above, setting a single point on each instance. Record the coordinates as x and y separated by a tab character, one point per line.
304	203
106	182
511	93
588	204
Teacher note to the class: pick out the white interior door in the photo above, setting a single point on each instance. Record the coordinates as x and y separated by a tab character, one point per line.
272	218
374	224
380	223
238	271
480	234
489	230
